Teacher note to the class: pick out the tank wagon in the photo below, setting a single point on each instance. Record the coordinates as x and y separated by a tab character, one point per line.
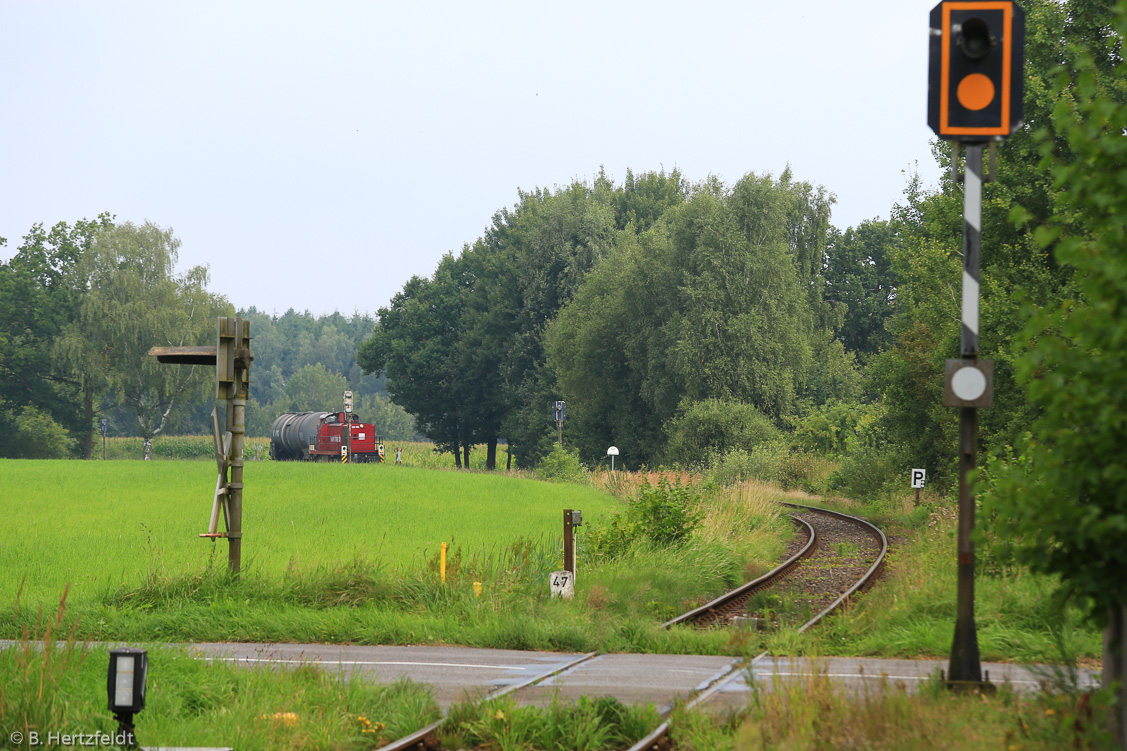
318	436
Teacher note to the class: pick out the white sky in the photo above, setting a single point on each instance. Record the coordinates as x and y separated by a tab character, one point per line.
316	155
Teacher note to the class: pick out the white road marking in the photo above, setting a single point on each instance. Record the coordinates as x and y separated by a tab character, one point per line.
366	662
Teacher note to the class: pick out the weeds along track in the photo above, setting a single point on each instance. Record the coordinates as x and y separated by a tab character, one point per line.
843	555
427	738
832	557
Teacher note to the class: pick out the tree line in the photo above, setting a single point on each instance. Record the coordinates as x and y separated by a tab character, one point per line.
633	302
82	303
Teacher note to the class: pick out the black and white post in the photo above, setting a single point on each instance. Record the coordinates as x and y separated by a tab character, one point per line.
975	95
965	664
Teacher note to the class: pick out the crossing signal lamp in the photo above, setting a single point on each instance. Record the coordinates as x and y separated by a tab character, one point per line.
975	80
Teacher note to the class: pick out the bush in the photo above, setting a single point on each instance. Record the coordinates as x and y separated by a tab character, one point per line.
771	462
38	436
702	429
866	471
827	429
665	515
561	465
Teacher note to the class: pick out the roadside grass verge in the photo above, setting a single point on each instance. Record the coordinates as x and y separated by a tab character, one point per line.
815	712
48	685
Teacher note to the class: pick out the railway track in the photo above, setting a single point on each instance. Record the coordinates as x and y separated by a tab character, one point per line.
835	557
658	739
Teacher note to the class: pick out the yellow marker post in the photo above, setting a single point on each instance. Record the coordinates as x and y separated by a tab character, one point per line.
442	564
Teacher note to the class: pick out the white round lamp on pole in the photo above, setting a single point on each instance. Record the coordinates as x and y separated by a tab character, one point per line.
612	452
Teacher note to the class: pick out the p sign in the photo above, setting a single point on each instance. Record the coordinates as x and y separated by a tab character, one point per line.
918	477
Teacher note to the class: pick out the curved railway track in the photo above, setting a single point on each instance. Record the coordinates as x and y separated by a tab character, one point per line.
658	740
824	536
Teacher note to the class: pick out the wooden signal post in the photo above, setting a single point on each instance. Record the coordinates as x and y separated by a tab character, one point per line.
232	358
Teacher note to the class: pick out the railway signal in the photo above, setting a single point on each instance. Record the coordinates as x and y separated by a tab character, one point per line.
559	414
975	81
231	358
975	90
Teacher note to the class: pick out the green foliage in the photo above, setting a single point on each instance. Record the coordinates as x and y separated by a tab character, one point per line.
1017	270
41	291
866	472
861	281
588	724
561	465
1067	503
663	515
305	362
313	389
38	436
770	462
390	420
715	426
667	513
717	300
828	429
135	301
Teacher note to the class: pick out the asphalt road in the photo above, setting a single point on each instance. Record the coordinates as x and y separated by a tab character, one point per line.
457	673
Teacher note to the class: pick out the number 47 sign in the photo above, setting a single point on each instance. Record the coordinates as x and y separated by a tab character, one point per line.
562	584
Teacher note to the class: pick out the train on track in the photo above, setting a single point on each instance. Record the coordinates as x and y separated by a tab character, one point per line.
319	436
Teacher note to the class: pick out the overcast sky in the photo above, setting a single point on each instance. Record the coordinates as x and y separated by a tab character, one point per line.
317	155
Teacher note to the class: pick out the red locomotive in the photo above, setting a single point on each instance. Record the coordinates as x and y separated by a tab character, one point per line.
319	436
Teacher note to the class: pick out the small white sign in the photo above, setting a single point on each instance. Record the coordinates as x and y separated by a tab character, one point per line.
918	477
612	451
562	584
968	383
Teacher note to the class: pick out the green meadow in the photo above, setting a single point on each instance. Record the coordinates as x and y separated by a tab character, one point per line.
102	526
336	553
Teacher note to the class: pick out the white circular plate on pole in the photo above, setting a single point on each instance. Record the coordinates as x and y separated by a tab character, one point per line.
968	383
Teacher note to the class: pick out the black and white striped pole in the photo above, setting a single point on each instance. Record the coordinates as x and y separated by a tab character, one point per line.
975	89
968	387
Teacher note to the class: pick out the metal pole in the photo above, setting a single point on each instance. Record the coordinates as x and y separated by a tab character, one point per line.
1115	670
965	664
569	543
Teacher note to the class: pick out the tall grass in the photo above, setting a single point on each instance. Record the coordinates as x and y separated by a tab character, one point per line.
815	712
589	724
48	685
911	612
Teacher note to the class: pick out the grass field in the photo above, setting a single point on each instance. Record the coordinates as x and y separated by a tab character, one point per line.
104	525
350	554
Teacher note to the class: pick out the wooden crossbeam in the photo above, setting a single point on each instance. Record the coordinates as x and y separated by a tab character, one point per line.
184	355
